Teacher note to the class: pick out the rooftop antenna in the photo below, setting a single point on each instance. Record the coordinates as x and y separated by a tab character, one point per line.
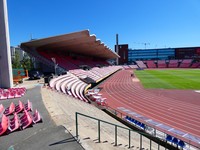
145	45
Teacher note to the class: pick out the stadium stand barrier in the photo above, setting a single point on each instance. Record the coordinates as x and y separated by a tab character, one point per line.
117	133
173	140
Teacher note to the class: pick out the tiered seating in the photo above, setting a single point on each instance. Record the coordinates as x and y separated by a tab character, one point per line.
82	74
70	63
195	65
134	66
162	64
63	61
186	63
151	64
126	67
105	71
73	83
141	64
173	63
69	84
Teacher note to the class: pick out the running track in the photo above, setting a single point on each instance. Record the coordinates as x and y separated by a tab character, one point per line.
122	91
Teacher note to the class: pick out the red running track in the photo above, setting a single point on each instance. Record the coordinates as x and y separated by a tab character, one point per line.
121	90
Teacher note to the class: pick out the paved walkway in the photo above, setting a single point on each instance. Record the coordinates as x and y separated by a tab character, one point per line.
42	136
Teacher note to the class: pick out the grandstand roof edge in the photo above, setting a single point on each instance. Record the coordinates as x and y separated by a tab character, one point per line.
71	42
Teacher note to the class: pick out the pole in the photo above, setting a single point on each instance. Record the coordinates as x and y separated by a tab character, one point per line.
129	138
99	132
150	144
115	135
76	125
140	141
117	49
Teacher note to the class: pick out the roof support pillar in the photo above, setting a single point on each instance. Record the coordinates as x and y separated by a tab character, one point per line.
6	80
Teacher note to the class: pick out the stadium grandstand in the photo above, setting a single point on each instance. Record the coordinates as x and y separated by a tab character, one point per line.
85	83
182	57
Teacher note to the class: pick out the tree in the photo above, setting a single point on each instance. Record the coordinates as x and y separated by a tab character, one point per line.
16	61
26	62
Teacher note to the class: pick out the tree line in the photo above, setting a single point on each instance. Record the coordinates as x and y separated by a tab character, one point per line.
26	63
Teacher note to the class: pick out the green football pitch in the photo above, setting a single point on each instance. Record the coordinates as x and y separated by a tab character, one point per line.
170	79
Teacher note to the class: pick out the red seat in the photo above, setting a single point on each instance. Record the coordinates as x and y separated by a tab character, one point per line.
18	94
27	121
4	95
28	106
11	95
19	107
10	109
14	123
3	125
37	117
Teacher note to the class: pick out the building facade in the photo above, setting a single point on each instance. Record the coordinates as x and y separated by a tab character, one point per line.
129	56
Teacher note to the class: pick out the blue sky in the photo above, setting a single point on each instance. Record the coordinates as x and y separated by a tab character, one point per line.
161	23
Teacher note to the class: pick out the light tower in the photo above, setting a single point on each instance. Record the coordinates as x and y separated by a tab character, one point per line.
117	49
6	80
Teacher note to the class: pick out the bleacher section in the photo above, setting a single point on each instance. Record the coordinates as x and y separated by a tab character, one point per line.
151	64
185	63
195	65
161	64
173	64
70	63
73	83
141	64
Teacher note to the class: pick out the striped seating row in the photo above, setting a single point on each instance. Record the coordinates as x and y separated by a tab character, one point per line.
69	84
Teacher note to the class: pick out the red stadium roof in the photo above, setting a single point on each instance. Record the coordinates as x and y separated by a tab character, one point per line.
77	42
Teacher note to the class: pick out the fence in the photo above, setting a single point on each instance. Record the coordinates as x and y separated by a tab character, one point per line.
130	132
154	131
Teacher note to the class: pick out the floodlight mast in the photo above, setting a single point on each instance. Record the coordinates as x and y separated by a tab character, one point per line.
117	49
6	79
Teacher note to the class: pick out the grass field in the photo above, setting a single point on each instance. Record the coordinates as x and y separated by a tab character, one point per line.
170	79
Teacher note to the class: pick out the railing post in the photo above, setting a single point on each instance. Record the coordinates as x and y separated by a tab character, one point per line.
140	141
76	125
99	132
129	139
115	135
150	144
